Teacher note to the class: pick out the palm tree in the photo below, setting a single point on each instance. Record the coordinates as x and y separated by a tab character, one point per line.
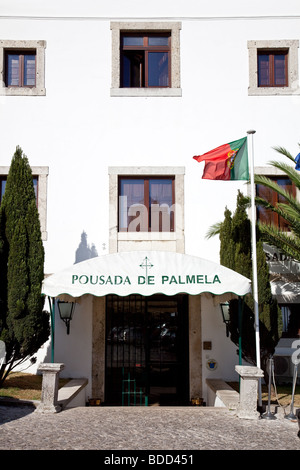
288	209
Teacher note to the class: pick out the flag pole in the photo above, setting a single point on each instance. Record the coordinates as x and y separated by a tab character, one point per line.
254	262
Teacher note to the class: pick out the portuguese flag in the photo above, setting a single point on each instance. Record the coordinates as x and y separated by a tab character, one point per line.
228	162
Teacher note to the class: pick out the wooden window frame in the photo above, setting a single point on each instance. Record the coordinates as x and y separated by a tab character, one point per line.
20	53
272	53
146	49
171	27
273	217
146	180
290	45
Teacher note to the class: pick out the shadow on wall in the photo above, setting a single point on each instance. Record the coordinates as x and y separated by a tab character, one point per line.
84	251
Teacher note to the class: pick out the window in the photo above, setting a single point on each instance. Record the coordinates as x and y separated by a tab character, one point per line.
266	215
20	68
145	59
146	204
40	174
23	68
146	208
273	67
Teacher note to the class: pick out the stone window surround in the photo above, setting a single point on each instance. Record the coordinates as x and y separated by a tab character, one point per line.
176	236
39	47
293	73
42	173
174	28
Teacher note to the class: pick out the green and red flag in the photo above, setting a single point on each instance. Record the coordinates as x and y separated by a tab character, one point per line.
228	162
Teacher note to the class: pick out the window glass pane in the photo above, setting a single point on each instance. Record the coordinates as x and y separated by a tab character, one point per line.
12	70
158	74
132	41
133	69
287	186
263	70
29	70
2	188
131	193
285	182
158	41
161	210
279	70
161	191
35	185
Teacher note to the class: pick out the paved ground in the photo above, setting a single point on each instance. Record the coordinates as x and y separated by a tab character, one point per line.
134	428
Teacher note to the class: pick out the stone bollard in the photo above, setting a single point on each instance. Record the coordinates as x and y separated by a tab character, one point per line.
247	407
49	403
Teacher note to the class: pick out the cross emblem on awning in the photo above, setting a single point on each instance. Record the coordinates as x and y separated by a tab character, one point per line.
146	264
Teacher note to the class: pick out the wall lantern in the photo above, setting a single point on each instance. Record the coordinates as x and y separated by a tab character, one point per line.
66	310
225	315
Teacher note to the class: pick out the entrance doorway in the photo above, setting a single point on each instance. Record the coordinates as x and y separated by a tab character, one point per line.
147	350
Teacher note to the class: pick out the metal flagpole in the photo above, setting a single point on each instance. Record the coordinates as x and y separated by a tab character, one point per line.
254	263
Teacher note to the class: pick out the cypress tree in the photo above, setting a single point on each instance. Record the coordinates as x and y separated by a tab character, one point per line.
24	326
227	249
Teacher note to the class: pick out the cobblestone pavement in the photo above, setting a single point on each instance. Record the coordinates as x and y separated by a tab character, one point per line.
152	428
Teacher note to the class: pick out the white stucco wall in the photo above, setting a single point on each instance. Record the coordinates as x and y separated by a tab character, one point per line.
78	130
223	350
77	346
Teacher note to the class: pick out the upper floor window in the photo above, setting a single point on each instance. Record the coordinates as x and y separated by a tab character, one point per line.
266	215
146	204
145	59
22	68
273	67
146	208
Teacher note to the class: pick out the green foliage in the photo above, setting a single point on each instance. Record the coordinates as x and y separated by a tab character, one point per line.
236	254
227	250
24	326
288	208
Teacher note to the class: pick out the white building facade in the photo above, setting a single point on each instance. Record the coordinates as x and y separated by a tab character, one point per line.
106	95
